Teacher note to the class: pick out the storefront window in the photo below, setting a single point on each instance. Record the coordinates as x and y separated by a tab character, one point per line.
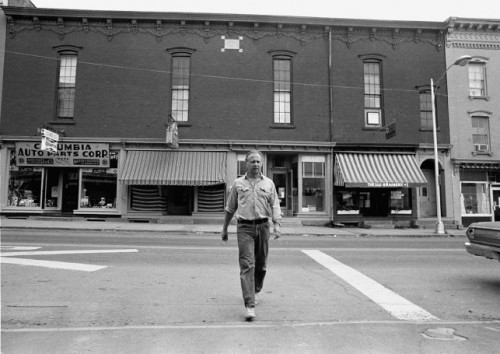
474	199
313	183
25	185
98	186
400	201
348	202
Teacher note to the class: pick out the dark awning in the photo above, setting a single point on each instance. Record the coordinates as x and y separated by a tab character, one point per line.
174	168
371	170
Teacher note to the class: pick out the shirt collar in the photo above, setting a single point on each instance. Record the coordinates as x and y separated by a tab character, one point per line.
261	176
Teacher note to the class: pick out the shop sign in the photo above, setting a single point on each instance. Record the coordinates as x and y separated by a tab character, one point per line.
67	155
387	184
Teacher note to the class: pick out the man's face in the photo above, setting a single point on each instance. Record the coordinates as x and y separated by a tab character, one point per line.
254	163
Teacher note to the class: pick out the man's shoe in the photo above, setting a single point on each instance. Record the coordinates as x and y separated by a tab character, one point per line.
250	313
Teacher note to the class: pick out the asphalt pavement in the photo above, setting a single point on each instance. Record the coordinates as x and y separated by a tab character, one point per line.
286	229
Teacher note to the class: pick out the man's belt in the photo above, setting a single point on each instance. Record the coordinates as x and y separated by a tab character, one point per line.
252	222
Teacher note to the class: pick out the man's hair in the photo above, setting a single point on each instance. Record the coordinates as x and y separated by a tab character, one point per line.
251	152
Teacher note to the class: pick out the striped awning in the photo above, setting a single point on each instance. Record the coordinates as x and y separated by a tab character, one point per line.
382	170
174	168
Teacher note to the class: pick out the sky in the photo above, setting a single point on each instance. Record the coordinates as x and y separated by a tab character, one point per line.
404	10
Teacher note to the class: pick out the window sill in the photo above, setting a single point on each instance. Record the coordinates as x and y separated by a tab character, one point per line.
62	122
486	153
485	98
282	126
184	124
374	128
429	130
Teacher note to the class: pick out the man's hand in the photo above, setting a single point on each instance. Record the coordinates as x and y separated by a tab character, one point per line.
224	235
277	232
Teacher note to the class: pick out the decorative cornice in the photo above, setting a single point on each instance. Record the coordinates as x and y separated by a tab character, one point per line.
346	32
473	34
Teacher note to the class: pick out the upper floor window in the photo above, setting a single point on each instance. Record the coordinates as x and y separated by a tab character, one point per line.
425	109
181	69
373	92
282	70
477	78
481	134
66	81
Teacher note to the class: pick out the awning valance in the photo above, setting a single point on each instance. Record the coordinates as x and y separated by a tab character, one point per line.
174	168
382	170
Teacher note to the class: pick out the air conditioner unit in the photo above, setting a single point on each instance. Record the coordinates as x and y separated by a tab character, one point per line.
481	147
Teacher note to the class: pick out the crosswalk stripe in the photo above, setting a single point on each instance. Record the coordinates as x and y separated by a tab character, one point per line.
52	264
393	303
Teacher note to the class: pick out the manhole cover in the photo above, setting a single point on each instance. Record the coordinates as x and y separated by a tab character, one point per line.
442	334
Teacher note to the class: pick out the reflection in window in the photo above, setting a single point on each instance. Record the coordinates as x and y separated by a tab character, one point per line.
474	199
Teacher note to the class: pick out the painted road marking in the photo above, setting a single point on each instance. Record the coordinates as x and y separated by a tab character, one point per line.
18	248
9	258
396	305
50	253
52	264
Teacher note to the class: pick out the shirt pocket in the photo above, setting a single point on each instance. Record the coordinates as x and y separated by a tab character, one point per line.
264	192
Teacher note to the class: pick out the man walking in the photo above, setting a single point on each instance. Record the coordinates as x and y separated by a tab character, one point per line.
254	200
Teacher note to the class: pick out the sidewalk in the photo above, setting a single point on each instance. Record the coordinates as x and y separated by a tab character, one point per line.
288	230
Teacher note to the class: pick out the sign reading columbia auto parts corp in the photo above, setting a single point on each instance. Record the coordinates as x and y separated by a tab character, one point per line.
67	155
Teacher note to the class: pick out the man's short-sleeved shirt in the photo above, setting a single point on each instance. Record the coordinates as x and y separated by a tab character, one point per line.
254	200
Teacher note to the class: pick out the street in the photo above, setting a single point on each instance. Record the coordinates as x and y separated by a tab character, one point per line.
112	292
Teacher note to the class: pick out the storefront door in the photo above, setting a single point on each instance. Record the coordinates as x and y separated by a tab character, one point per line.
280	181
496	203
179	200
70	190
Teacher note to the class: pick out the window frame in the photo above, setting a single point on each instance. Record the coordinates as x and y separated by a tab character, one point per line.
66	51
476	146
373	91
425	107
180	94
482	86
282	89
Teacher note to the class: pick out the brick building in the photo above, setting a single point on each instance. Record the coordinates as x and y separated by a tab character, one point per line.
340	109
475	118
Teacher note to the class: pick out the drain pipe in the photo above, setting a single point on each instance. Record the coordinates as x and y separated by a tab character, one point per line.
330	88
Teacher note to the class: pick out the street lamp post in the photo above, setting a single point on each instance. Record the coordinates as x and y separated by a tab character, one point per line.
461	61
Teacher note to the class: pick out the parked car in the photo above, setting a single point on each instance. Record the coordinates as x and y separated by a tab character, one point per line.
484	239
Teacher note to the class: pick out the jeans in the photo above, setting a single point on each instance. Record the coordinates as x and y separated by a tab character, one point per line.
253	245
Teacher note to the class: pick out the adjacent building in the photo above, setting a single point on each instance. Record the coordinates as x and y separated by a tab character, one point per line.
474	105
341	110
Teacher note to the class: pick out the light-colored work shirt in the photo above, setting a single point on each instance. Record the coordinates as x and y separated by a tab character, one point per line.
254	200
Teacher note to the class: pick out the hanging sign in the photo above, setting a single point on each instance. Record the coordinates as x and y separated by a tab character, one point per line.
172	136
49	140
66	154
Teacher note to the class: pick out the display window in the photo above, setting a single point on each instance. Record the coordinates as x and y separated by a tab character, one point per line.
98	186
400	201
348	202
474	199
25	187
313	183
